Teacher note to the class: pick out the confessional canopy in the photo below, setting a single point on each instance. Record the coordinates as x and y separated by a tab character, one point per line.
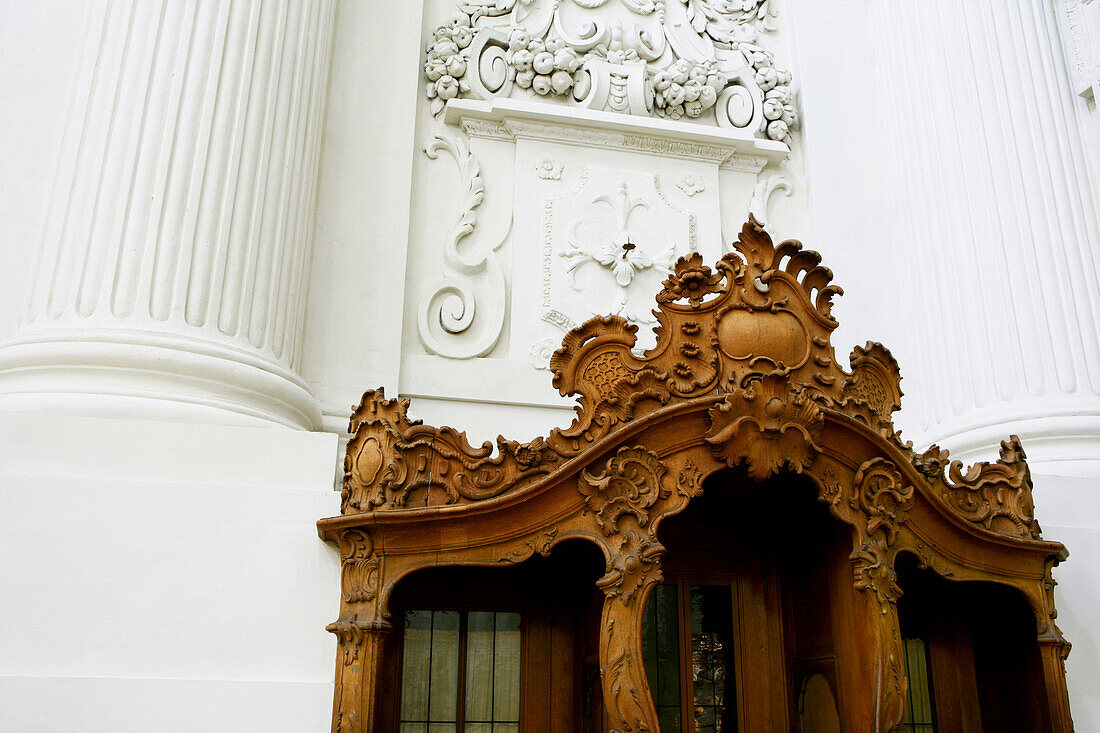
743	375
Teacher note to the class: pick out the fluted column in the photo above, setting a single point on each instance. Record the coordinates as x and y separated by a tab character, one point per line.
997	229
171	275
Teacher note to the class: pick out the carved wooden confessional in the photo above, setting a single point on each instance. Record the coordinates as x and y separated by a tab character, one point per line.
742	382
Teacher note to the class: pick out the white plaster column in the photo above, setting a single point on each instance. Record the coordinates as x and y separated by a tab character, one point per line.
171	277
996	231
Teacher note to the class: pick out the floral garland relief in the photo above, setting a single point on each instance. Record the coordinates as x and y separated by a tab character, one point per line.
668	58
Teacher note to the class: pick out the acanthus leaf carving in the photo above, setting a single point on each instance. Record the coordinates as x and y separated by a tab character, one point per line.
626	500
359	567
450	321
883	499
538	545
631	484
995	495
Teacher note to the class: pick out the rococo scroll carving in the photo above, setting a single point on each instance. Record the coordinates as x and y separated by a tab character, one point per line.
626	500
753	333
744	360
359	567
630	486
995	495
393	462
882	499
881	502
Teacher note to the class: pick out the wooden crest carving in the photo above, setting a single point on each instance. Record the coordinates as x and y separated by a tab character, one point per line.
996	495
743	373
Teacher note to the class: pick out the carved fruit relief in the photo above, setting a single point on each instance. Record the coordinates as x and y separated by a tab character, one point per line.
676	59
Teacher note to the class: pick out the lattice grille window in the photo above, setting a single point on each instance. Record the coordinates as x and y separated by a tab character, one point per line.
461	672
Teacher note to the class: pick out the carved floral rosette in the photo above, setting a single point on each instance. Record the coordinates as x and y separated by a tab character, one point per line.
743	375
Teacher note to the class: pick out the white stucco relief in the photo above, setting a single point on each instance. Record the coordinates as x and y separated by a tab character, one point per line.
614	242
695	59
595	141
450	304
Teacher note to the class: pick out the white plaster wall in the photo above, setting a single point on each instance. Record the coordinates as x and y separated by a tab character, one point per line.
161	576
356	291
1068	509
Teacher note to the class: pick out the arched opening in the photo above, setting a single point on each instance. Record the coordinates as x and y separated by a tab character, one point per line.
496	649
971	655
744	618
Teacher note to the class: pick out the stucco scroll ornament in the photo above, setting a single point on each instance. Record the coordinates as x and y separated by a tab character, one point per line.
475	285
625	501
766	188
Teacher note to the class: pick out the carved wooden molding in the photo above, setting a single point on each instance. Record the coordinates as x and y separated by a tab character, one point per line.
742	374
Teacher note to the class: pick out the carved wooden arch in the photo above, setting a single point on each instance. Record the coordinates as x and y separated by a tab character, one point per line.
743	374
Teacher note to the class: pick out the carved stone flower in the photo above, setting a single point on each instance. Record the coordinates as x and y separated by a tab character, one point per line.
623	258
549	168
690	183
541	351
691	279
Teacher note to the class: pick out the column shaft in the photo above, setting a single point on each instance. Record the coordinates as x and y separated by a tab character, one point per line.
177	238
997	227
